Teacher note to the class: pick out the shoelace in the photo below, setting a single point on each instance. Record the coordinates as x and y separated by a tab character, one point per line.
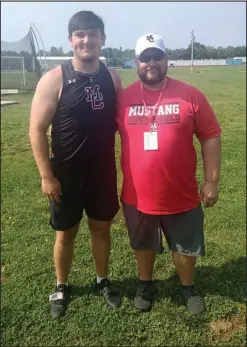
107	288
144	289
191	293
104	283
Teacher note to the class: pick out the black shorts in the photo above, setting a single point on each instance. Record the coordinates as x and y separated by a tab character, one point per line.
183	231
96	194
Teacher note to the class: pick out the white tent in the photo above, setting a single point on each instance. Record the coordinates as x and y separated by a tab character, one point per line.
52	62
243	59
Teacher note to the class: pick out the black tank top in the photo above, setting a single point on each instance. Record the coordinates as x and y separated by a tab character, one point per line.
83	127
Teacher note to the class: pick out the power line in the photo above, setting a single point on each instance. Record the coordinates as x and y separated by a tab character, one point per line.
192	49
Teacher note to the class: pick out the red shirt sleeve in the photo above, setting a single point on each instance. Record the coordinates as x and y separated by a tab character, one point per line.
206	123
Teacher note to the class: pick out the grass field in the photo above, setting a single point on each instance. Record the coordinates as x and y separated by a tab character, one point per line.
27	246
12	80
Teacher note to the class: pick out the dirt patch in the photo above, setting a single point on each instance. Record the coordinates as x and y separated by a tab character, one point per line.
225	328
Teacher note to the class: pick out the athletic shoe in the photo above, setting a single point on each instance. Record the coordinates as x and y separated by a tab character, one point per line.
144	295
59	300
109	292
194	302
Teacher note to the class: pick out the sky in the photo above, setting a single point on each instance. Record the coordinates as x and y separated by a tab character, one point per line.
214	23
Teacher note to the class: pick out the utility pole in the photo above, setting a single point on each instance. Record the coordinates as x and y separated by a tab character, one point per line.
107	51
192	49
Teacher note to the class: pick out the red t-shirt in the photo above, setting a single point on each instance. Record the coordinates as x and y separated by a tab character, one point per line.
163	181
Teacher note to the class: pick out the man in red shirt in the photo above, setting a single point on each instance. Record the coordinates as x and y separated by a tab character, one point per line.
157	118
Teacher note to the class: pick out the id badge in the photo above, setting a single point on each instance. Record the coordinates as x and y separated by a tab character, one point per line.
151	141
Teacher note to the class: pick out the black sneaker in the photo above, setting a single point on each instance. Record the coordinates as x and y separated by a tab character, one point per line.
194	302
59	300
109	292
144	295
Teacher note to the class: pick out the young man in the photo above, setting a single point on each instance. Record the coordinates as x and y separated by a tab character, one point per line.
157	119
78	99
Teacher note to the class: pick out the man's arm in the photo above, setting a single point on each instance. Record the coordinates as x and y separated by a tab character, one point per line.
208	132
118	86
43	108
211	154
116	79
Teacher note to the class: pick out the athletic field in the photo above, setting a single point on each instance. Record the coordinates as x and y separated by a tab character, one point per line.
27	247
13	80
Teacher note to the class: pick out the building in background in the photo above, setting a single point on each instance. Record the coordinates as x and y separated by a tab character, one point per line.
50	63
129	64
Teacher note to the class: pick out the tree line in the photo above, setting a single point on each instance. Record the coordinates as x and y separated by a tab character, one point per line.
116	56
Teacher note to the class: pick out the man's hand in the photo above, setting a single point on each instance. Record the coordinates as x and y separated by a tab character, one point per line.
209	193
51	188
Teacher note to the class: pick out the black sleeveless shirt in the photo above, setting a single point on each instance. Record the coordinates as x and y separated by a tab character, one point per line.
83	127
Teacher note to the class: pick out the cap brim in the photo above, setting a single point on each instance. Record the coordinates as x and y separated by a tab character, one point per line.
160	49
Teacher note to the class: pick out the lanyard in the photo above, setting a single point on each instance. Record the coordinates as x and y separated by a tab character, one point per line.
153	125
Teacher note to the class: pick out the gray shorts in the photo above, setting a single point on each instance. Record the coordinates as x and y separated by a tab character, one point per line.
183	231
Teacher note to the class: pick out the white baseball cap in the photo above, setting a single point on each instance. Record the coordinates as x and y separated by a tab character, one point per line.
149	41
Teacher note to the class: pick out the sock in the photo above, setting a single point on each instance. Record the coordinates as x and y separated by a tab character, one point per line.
99	279
185	287
149	281
66	283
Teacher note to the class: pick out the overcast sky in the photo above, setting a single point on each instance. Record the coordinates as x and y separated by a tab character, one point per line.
215	24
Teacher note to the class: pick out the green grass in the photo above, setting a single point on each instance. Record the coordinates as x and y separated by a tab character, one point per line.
12	80
27	245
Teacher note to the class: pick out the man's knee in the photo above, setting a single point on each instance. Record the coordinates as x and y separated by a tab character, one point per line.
99	228
183	259
67	237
